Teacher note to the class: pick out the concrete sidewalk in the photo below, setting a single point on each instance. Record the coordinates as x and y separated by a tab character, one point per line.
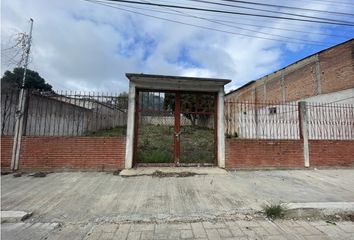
86	197
227	230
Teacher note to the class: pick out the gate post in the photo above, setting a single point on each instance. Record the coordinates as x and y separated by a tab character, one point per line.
221	129
129	147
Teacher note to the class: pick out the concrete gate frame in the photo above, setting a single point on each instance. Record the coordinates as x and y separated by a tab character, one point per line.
175	83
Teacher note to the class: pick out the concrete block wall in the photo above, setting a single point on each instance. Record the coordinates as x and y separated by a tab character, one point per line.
255	153
56	153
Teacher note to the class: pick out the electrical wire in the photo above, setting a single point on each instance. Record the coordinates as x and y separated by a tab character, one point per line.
281	6
238	23
202	27
245	29
334	22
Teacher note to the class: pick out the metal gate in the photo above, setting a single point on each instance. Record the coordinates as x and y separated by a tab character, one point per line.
174	128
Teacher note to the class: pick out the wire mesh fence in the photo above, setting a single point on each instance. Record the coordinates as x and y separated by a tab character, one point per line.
269	120
64	113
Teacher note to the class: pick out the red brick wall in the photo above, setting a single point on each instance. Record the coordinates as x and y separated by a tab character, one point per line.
331	153
244	153
54	153
337	68
300	83
6	151
247	153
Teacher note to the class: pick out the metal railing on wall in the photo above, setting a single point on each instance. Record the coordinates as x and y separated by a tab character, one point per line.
269	120
65	113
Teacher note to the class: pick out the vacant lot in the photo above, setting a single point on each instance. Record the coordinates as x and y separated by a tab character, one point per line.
156	144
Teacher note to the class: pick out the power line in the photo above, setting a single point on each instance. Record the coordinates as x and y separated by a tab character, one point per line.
238	23
198	26
343	23
270	11
233	26
324	2
282	6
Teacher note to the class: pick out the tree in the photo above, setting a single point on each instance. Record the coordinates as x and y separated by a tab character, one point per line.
13	80
191	104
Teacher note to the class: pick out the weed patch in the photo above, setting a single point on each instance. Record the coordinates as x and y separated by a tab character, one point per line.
274	211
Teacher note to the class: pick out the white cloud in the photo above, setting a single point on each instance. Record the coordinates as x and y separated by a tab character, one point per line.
83	46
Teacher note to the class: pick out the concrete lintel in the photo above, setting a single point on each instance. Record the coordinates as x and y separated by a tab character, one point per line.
161	82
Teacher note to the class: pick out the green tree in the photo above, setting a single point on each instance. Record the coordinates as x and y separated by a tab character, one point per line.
190	105
13	80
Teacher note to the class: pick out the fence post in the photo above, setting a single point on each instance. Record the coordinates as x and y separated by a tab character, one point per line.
303	127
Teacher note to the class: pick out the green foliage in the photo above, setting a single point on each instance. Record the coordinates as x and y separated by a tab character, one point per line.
155	144
123	95
112	132
154	156
189	104
274	211
13	80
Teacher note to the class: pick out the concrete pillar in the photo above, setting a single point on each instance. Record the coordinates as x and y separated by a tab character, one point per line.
318	75
129	147
221	130
282	87
304	132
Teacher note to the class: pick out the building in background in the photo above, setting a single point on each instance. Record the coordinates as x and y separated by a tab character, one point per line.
268	108
326	76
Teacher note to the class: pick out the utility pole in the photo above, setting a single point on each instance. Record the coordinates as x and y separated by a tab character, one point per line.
16	148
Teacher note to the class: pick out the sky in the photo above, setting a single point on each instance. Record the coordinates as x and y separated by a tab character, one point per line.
84	46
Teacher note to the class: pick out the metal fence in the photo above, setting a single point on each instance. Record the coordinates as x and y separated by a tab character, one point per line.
330	121
269	120
63	113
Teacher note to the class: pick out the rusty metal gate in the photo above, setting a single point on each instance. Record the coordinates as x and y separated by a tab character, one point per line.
174	128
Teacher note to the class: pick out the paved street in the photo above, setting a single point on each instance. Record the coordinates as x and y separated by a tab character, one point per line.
256	229
95	196
93	205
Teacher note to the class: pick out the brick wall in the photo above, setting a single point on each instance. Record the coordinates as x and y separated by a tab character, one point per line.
6	151
331	153
247	153
303	79
337	68
244	153
54	153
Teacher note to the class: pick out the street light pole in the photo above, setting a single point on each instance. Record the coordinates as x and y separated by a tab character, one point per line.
20	109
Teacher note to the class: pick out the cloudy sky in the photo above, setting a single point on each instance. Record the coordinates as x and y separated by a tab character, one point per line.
80	45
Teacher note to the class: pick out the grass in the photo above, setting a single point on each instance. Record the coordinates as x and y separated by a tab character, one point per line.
112	132
156	144
197	145
274	211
